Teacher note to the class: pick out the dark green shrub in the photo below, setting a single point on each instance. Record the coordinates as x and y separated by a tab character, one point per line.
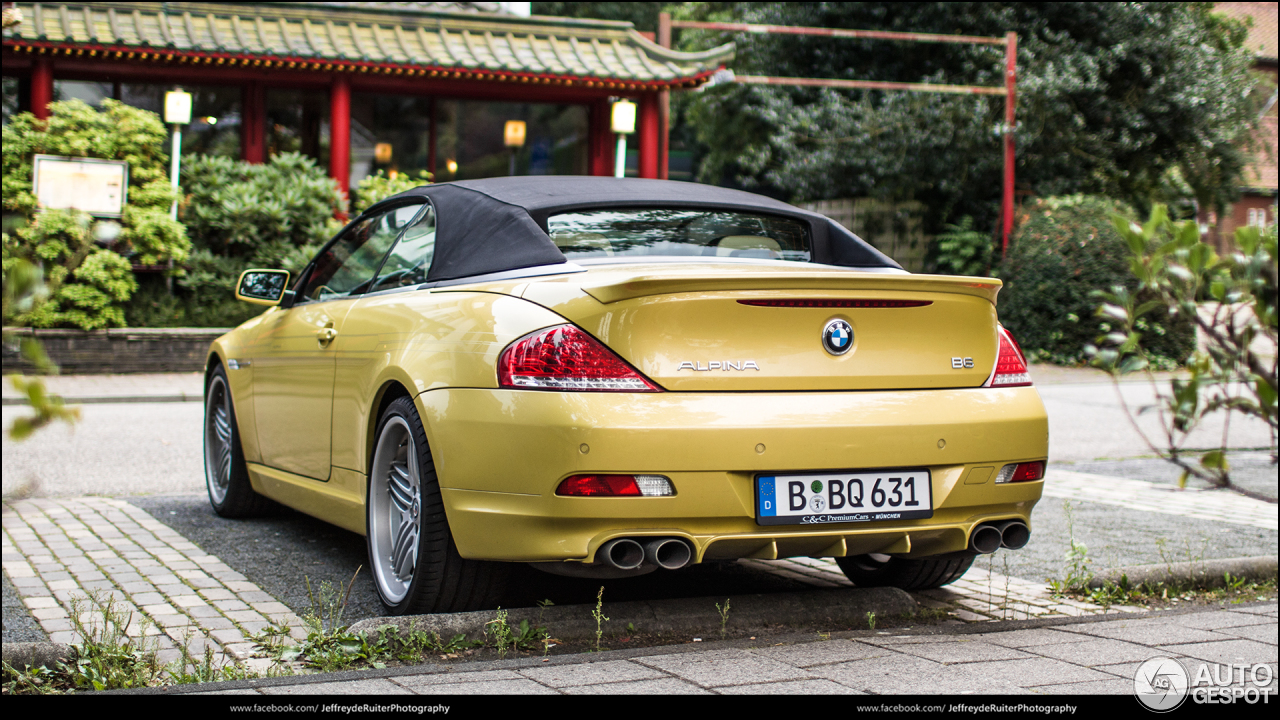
241	215
1062	253
961	250
88	285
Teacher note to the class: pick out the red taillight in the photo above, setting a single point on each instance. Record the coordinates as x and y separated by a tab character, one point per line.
616	486
1022	472
1011	366
565	358
806	303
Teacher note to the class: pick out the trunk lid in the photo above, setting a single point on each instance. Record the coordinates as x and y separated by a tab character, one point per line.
692	329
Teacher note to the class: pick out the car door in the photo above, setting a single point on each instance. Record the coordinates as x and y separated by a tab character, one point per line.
296	346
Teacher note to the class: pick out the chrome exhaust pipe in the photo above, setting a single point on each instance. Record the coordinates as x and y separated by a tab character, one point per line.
1014	534
668	553
621	553
985	539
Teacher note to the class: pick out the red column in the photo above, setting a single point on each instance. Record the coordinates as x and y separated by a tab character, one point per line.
664	103
340	132
253	126
648	126
41	86
600	140
1010	85
431	143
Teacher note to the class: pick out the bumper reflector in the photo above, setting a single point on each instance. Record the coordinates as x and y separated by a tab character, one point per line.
1021	472
616	486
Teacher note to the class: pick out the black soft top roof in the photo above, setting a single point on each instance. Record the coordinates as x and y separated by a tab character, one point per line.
497	224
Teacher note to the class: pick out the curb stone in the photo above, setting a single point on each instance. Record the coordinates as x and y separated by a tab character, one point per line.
1202	574
691	615
25	655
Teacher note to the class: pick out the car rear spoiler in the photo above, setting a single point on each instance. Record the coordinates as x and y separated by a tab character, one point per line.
613	288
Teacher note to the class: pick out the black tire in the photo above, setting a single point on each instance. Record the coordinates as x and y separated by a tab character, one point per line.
403	498
225	475
905	573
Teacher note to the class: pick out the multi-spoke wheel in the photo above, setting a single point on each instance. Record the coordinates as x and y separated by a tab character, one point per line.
909	574
416	567
225	473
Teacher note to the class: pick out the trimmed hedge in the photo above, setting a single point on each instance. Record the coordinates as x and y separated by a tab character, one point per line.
1065	249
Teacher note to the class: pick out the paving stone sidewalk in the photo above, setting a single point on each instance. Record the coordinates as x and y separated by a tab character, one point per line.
1074	658
1217	505
68	554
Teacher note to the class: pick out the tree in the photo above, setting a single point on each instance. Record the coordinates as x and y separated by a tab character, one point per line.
1112	99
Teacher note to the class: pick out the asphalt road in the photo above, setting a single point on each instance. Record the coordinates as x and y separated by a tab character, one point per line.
150	453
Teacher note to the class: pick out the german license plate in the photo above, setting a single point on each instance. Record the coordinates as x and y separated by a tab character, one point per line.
843	497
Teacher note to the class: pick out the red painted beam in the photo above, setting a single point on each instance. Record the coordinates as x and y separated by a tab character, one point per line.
870	85
837	32
41	86
340	133
648	127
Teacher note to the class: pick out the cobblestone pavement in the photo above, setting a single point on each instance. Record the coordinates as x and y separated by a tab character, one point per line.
59	552
1217	505
56	552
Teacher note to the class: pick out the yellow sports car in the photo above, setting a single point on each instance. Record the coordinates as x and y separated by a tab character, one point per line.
603	377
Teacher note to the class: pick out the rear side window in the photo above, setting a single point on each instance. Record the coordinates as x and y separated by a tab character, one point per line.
410	259
347	266
678	232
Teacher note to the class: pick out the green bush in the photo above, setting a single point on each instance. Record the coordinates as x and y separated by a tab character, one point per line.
1062	253
379	186
241	215
962	250
88	285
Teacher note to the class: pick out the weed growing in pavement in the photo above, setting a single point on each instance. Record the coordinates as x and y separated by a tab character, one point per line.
598	614
1077	572
106	656
871	620
724	617
500	631
328	605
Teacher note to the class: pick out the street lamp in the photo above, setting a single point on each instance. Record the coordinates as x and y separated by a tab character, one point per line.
177	112
513	138
623	123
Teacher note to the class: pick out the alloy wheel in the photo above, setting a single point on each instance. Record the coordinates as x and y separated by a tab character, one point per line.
217	439
395	510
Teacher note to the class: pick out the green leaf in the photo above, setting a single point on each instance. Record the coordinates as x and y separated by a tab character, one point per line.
1214	460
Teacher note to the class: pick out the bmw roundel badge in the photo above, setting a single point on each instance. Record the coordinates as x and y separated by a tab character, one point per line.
837	337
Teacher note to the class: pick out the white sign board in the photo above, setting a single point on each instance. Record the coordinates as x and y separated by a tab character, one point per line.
98	187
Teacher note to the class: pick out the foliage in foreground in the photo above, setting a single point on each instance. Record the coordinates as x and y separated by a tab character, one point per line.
23	287
1232	300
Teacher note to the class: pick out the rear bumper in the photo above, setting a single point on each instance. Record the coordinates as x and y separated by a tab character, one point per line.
501	453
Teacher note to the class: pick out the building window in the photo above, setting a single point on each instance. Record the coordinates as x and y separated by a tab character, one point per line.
215	110
1258	217
298	121
470	139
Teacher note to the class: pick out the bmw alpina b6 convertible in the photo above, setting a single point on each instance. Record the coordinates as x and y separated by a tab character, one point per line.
603	377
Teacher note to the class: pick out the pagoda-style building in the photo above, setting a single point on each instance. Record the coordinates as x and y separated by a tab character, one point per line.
362	87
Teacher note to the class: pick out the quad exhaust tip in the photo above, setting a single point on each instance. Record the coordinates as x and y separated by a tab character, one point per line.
622	553
990	537
629	553
668	553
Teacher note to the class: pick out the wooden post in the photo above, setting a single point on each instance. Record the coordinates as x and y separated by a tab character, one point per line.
340	132
664	104
431	142
648	130
41	86
253	126
599	145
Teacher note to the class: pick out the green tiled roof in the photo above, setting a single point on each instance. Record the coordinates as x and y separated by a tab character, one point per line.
392	37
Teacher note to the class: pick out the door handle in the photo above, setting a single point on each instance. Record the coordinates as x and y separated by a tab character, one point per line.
326	336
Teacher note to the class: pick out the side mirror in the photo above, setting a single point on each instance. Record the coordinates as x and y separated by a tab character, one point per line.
262	287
